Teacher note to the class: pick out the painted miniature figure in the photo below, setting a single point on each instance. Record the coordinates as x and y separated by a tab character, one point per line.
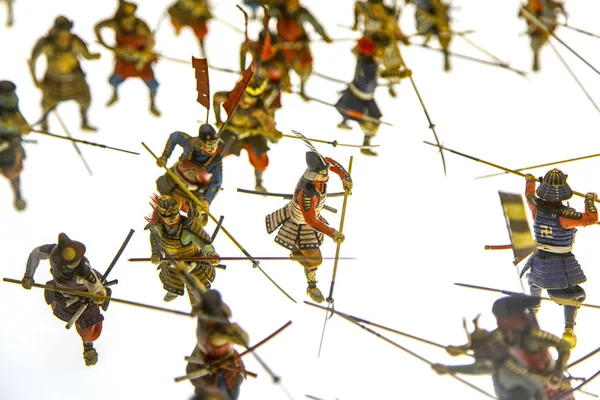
553	266
179	236
250	127
301	226
64	79
10	15
12	126
359	97
432	19
294	42
547	12
70	269
192	13
377	17
200	167
134	44
218	367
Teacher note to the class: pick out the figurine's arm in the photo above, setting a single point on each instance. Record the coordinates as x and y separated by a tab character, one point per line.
216	181
39	49
308	207
107	23
532	200
479	367
87	277
144	30
570	218
176	138
38	254
218	99
306	16
80	47
200	238
538	339
358	11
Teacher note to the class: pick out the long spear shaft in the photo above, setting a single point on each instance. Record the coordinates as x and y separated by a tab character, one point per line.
501	62
83	141
242	258
400	347
590	354
508	170
579	30
543	27
66	130
225	231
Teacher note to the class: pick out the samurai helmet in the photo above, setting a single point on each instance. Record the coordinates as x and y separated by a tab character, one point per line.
477	339
168	206
514	305
317	168
61	24
257	86
8	96
366	46
67	251
126	8
209	138
554	187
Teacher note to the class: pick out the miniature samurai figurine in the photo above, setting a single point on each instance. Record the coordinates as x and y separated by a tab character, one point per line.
359	97
553	266
215	367
133	51
377	17
547	12
432	19
178	236
301	226
294	42
64	79
12	126
192	13
10	15
250	127
70	269
200	168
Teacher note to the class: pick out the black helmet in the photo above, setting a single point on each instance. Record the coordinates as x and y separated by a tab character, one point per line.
514	305
554	187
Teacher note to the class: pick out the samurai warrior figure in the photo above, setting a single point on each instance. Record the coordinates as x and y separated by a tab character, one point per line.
294	42
432	19
71	270
250	127
553	266
10	16
133	51
215	368
64	79
516	320
12	126
200	168
512	379
358	100
547	12
253	5
192	13
177	236
301	226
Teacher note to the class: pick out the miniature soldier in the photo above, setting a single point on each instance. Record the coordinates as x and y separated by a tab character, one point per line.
377	17
71	270
512	379
10	16
250	127
200	168
12	126
133	51
301	226
432	19
64	79
192	13
214	348
179	236
553	266
359	97
294	41
547	12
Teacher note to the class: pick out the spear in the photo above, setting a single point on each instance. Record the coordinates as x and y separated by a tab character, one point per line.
239	259
399	347
286	195
64	127
579	30
543	27
255	263
83	141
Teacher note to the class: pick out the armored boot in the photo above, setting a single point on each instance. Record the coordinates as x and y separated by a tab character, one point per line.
170	296
312	290
44	122
19	203
536	292
569	333
113	99
85	126
367	151
259	187
90	355
344	124
302	92
447	65
392	91
536	62
153	108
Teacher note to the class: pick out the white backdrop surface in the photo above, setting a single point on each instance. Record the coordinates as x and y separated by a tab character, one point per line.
413	231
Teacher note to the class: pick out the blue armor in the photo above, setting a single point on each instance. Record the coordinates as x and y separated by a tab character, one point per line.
548	231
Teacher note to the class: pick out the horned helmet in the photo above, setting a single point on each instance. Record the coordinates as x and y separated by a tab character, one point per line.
167	208
477	339
554	187
126	9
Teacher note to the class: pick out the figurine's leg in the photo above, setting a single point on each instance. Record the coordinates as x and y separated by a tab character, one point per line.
84	105
570	298
392	90
260	161
344	124
152	84
176	25
536	45
115	80
19	203
445	45
370	129
47	104
89	335
312	290
303	67
537	292
10	20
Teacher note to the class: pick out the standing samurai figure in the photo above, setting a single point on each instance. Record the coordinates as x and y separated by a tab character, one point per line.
553	266
376	18
10	15
294	41
192	13
547	12
214	348
71	270
64	79
12	126
134	54
359	97
250	127
301	226
432	19
177	236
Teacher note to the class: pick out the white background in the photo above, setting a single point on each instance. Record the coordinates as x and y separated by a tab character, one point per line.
414	231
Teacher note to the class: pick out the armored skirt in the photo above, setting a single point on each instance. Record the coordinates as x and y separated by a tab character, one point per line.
12	156
350	102
257	143
70	86
554	271
167	185
292	235
172	282
180	16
